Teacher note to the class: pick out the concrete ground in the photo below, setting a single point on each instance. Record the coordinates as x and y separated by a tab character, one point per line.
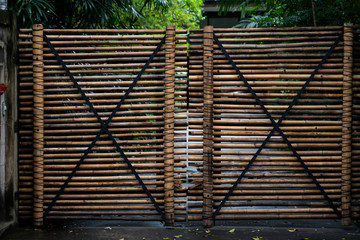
251	230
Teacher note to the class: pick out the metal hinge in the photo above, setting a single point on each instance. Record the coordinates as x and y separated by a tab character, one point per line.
16	195
3	109
16	127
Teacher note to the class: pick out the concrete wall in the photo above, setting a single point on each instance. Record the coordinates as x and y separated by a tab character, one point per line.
8	35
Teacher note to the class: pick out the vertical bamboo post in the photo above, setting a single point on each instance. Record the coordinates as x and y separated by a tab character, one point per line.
208	128
169	125
38	125
347	126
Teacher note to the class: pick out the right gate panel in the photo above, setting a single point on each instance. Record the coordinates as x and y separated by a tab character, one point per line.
276	63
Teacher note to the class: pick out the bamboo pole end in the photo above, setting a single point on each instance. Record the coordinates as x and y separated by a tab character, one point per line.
38	27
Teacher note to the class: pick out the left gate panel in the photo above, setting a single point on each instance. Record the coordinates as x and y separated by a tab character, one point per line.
104	63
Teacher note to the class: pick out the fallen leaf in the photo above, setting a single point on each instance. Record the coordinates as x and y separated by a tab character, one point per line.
292	230
177	225
256	238
232	230
178	236
71	231
207	231
166	238
121	239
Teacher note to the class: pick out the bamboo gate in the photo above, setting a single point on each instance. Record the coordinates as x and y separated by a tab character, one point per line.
178	125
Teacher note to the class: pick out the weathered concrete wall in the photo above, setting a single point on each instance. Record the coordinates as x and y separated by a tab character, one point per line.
8	35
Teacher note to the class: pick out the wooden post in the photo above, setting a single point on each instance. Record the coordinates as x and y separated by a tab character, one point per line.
347	126
169	125
38	125
208	128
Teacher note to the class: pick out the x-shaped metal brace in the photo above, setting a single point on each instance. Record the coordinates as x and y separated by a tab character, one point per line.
104	127
277	126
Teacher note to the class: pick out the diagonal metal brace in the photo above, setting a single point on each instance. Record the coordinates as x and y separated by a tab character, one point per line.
276	126
104	127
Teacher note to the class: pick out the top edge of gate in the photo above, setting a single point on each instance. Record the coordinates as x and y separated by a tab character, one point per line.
113	31
27	30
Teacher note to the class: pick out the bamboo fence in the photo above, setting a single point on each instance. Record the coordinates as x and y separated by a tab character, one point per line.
190	125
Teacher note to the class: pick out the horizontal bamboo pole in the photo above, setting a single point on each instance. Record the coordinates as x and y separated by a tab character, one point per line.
285	128
269	204
265	122
269	211
245	70
104	212
269	88
278	186
103	166
99	172
337	60
101	71
278	158
271	45
282	168
269	76
108	31
95	37
276	55
102	48
272	192
179	178
268	197
273	107
276	180
314	48
339	28
273	163
107	78
104	59
287	133
102	42
105	185
266	216
97	189
293	140
271	39
277	33
104	208
102	66
23	216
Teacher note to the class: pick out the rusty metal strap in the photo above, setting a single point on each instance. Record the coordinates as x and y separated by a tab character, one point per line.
104	127
277	126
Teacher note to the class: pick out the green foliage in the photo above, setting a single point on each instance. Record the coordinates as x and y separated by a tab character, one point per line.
293	13
108	13
39	10
180	13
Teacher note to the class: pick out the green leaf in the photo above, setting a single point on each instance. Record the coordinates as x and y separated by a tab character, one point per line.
232	230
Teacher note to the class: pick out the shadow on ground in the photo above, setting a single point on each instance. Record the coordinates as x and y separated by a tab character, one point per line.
252	230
